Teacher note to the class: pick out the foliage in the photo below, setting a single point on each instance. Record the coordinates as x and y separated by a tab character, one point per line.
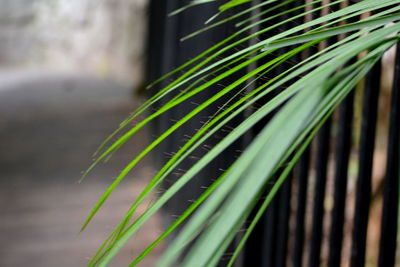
316	86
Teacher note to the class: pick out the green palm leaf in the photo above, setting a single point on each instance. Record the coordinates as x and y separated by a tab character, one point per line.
318	84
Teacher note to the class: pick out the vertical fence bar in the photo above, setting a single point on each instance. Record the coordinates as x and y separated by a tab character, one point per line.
155	64
363	187
303	168
269	240
343	147
387	249
155	37
322	158
283	223
278	223
286	190
170	59
302	189
254	249
321	167
265	236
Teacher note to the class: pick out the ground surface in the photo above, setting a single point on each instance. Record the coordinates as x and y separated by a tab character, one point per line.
49	126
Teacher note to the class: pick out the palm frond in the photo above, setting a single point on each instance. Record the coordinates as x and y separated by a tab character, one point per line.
317	85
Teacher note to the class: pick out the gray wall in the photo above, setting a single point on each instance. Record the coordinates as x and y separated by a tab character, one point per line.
102	37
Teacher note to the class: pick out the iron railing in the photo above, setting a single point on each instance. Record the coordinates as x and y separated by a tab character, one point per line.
322	213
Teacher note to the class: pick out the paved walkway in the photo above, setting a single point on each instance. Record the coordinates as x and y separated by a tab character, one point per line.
49	126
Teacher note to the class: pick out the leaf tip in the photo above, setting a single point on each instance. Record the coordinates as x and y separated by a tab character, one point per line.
212	18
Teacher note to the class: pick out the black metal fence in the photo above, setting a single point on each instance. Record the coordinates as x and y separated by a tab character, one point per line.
340	205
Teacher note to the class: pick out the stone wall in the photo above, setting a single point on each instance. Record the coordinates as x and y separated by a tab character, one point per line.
102	37
17	34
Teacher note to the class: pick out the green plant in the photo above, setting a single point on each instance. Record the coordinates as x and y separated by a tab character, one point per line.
317	86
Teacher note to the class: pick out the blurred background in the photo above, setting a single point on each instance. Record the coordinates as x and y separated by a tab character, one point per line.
68	75
70	72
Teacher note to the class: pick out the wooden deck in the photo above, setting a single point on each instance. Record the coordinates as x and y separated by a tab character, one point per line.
49	126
